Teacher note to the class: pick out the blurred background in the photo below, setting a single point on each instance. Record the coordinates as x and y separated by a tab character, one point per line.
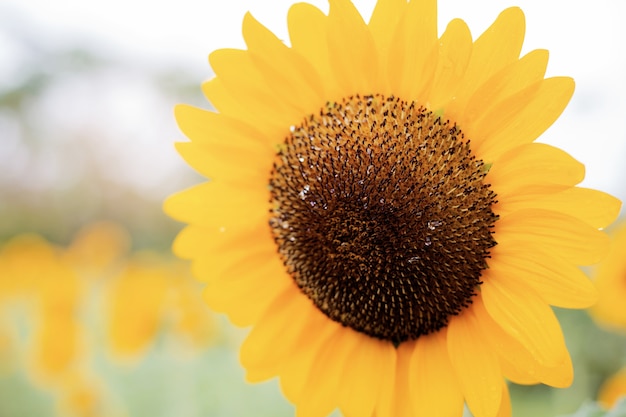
86	158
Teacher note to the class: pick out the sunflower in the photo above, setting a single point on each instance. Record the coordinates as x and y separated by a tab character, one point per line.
613	390
170	304
97	248
36	278
610	279
377	210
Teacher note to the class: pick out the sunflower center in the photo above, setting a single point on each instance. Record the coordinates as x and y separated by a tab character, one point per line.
381	216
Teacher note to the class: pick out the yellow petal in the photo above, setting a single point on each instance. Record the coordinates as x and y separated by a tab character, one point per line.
497	47
386	14
189	242
556	281
455	49
414	52
209	128
222	99
535	163
515	367
596	208
296	367
477	369
508	81
613	390
522	117
243	169
351	49
217	260
385	402
517	363
215	91
556	233
197	242
214	251
361	384
295	81
247	294
243	81
517	374
285	320
217	205
395	398
531	170
325	378
308	32
505	406
434	388
526	317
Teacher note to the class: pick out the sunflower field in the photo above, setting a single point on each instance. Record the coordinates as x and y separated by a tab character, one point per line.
366	208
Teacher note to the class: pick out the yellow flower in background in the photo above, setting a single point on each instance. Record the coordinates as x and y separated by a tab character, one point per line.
24	261
35	275
18	276
51	312
53	284
613	390
152	294
188	318
80	394
97	247
610	279
135	305
378	212
7	346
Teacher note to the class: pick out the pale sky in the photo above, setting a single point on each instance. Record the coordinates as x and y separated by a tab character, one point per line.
586	40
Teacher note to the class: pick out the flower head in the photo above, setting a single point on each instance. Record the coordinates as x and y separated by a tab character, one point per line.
377	210
610	279
169	300
613	389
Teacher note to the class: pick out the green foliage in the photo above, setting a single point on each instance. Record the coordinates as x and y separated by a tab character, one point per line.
590	409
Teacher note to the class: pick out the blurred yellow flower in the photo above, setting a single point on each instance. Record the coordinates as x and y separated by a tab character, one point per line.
80	395
35	275
51	310
96	247
188	312
135	305
55	348
613	390
7	346
380	215
149	295
24	260
610	279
